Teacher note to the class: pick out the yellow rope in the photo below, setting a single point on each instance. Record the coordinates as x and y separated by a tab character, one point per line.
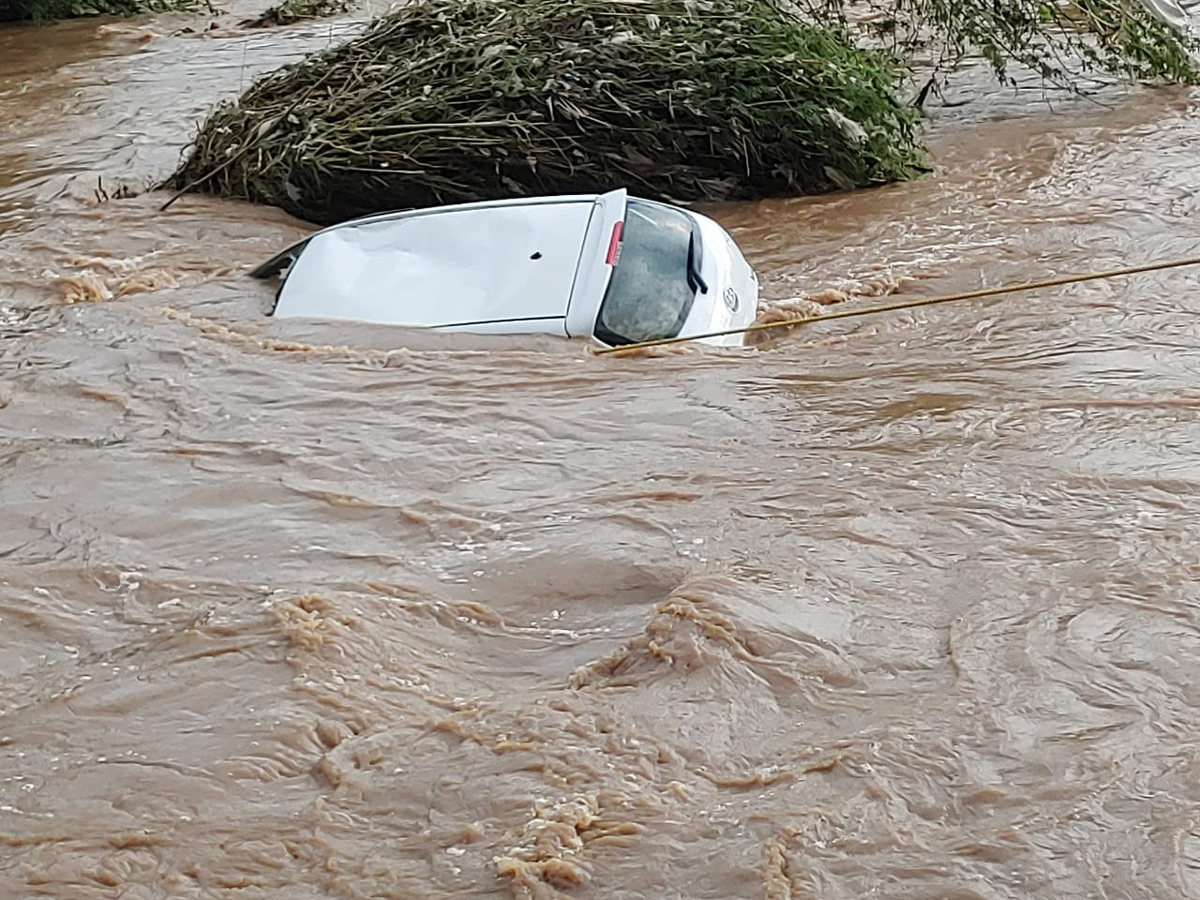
908	304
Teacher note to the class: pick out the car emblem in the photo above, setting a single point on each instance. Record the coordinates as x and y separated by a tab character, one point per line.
731	299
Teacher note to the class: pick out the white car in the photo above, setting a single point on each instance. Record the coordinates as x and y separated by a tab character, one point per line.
610	267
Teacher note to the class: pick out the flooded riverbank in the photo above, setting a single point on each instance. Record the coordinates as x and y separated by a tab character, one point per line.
904	608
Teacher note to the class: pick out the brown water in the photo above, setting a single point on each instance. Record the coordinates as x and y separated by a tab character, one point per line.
899	608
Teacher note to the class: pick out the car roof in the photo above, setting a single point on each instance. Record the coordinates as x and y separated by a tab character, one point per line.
460	265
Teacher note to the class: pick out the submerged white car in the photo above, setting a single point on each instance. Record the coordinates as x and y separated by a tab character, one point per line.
610	267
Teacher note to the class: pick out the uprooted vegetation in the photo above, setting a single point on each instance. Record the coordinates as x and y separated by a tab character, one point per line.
285	13
686	100
290	12
446	100
48	10
1066	42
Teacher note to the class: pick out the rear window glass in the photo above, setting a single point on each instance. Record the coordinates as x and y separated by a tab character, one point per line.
648	296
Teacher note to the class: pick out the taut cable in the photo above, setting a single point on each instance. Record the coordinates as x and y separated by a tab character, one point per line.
909	304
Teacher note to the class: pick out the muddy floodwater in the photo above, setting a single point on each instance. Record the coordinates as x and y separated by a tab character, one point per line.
899	607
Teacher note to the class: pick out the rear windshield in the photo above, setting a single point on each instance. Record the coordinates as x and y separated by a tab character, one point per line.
648	296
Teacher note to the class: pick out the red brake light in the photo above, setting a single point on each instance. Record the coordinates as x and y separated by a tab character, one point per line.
613	243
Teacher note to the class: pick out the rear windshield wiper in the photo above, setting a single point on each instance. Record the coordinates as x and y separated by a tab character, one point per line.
694	280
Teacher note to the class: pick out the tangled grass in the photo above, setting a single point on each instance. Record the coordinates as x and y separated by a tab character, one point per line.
49	10
1066	42
452	100
289	12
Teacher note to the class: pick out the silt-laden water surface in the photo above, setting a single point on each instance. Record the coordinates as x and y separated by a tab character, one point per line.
899	607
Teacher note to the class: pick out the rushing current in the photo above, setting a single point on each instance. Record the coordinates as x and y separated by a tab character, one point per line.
902	606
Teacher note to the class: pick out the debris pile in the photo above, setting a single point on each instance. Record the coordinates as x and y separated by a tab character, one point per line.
454	100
